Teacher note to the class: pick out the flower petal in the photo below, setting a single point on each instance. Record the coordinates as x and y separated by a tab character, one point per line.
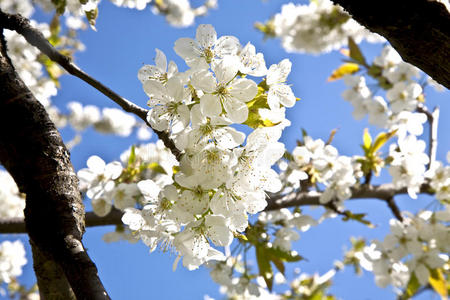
236	110
243	89
206	35
210	105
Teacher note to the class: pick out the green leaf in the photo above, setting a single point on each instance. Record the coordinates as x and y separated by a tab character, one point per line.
132	157
265	269
381	139
279	264
288	256
438	282
367	141
254	120
60	6
412	287
92	17
55	29
355	52
344	69
155	167
348	215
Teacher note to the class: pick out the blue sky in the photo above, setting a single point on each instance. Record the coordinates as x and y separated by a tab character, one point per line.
124	41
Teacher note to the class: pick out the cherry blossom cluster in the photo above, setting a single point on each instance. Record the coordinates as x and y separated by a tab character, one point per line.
179	13
108	120
116	184
416	246
12	259
204	200
235	277
320	164
439	180
12	203
400	112
315	28
303	285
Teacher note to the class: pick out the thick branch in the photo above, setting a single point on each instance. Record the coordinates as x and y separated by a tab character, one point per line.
383	192
17	225
418	29
33	152
35	38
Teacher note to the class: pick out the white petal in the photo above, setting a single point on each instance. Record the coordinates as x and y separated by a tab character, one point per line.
181	119
161	60
157	118
172	70
210	105
422	274
206	35
156	91
229	137
218	231
227	45
101	207
148	72
176	89
149	189
236	110
96	164
226	69
204	80
243	89
279	73
113	170
187	48
280	94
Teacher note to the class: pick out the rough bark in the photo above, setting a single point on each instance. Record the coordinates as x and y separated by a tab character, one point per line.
418	29
33	152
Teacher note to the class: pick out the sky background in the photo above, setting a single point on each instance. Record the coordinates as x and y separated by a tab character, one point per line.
125	40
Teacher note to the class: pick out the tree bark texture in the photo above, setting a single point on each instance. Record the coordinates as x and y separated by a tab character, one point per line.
33	152
418	29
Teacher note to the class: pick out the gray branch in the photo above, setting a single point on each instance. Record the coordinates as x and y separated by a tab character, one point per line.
384	192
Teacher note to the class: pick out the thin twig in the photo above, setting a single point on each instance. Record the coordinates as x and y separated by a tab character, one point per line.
433	118
383	192
394	208
22	26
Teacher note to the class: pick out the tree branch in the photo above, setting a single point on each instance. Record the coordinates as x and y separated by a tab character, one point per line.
418	29
22	26
17	225
433	120
384	192
33	152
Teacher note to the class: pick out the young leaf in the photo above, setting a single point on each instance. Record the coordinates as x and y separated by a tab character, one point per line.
367	141
381	139
92	17
345	69
265	269
132	157
437	281
348	215
412	287
355	52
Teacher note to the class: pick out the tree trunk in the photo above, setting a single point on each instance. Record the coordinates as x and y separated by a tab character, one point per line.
33	152
418	29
